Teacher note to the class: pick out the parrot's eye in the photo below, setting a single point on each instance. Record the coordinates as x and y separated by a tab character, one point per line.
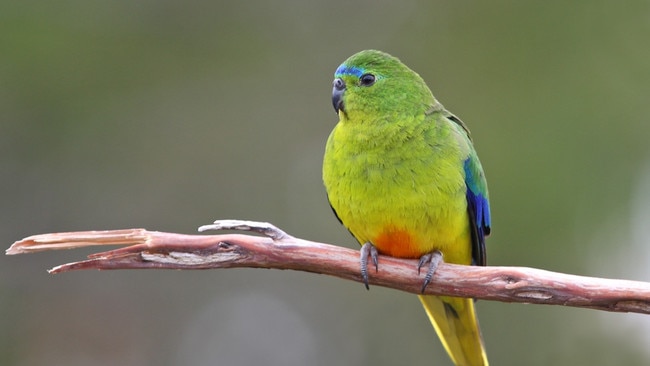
367	79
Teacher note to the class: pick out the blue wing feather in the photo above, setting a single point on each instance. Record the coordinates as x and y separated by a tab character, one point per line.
478	208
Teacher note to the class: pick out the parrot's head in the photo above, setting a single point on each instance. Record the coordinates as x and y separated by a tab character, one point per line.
375	84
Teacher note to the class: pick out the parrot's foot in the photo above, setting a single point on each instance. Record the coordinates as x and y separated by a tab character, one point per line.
368	250
434	258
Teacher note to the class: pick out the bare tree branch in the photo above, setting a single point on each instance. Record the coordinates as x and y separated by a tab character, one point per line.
279	250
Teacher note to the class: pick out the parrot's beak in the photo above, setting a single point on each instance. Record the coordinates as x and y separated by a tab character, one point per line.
337	95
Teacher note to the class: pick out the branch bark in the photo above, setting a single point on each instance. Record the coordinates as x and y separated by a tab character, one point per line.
278	250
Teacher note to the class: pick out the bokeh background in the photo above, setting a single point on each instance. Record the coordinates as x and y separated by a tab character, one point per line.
168	115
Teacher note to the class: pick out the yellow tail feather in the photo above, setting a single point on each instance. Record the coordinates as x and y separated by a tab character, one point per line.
455	322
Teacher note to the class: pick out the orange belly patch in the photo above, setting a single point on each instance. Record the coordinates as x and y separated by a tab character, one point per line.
397	243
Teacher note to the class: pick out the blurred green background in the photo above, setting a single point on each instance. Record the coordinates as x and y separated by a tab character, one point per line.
168	115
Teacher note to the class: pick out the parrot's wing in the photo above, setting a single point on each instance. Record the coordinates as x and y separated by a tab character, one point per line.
478	207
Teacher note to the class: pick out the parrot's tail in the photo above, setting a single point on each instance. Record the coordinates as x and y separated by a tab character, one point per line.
455	322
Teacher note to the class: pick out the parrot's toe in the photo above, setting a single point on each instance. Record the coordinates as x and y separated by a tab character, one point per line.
433	258
368	250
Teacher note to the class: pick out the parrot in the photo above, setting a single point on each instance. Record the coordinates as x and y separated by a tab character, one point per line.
402	175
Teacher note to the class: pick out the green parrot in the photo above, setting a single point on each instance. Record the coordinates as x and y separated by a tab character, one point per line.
402	175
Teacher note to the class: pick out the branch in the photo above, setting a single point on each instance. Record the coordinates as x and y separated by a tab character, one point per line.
279	250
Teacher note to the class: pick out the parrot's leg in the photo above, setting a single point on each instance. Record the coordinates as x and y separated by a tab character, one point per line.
368	250
434	258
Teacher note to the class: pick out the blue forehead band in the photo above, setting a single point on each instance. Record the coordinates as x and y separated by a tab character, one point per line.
349	70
